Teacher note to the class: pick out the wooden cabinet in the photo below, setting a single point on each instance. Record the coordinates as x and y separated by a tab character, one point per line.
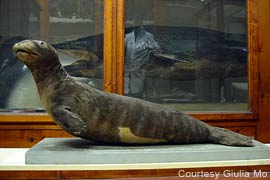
26	129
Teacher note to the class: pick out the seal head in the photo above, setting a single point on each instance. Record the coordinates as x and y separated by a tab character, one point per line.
34	52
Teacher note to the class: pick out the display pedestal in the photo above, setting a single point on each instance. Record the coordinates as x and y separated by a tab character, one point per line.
79	151
206	158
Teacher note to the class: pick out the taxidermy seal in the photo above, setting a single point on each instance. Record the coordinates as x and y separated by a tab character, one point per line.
89	113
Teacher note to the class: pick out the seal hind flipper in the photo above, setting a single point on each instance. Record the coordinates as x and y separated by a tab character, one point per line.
230	138
69	121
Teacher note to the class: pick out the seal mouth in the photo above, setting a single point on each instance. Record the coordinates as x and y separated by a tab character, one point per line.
21	50
25	51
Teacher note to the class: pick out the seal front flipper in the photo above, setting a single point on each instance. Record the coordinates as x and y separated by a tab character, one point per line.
230	138
69	121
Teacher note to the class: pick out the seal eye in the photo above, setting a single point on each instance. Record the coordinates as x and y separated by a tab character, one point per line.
41	43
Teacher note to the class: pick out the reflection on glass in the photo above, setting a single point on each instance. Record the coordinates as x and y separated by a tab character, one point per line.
188	54
74	27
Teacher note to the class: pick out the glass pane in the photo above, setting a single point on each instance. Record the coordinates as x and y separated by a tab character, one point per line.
187	54
74	27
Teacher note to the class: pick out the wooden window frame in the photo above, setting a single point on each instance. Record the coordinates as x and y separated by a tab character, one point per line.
258	24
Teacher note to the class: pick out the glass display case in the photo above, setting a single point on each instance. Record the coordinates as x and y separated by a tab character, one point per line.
189	55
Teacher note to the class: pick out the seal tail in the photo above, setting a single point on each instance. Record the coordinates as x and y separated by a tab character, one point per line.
230	138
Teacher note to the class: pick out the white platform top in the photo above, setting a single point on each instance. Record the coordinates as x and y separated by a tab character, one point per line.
14	159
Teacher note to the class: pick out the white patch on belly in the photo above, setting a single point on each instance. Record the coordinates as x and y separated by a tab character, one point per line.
126	136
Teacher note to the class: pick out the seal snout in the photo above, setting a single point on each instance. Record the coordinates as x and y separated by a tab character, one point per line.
15	48
24	47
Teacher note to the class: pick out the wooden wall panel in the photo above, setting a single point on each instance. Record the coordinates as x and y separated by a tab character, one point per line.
26	138
44	19
29	175
107	174
263	130
114	46
119	174
253	56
